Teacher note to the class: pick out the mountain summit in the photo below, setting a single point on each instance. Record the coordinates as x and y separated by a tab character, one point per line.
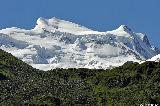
55	43
59	25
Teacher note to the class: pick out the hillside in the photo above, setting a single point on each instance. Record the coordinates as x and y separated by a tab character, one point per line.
128	85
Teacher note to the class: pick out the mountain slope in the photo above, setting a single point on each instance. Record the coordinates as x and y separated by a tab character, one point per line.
128	85
56	43
155	58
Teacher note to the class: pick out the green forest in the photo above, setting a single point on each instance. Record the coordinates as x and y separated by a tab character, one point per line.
129	85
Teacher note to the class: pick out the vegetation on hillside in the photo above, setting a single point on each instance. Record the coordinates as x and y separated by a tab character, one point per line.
129	85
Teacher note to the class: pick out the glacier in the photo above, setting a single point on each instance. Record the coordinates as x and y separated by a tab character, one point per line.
56	43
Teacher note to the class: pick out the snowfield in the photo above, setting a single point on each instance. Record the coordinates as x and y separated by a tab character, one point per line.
155	58
55	43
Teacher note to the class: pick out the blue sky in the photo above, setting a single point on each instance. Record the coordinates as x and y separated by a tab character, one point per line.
103	15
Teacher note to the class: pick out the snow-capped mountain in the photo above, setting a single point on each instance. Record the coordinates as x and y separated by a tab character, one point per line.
55	43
